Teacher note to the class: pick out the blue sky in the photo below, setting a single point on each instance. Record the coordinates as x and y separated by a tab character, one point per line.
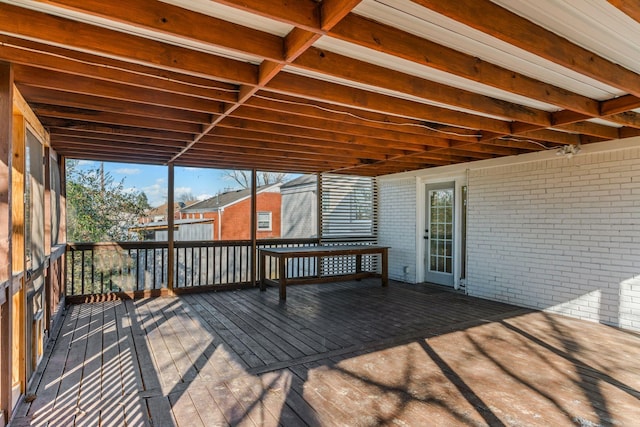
202	183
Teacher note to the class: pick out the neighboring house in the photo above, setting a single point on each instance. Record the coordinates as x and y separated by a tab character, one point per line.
348	207
160	213
300	207
231	213
184	230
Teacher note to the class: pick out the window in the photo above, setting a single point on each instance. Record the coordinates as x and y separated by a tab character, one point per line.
264	221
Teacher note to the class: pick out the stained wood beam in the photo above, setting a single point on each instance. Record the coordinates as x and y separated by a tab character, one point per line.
65	125
295	43
48	111
290	84
240	141
619	105
325	111
488	17
305	14
277	118
282	129
336	65
302	143
84	37
248	152
393	41
25	52
593	129
68	142
38	77
65	132
629	7
176	21
106	156
87	102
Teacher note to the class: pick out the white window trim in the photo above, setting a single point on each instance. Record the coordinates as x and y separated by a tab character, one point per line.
270	221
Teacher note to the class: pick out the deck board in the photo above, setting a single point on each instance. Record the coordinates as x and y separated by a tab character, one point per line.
349	353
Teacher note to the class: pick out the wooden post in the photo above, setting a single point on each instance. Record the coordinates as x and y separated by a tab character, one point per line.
319	207
318	219
6	311
170	225
254	226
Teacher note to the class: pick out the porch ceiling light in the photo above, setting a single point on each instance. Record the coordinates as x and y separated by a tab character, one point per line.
568	150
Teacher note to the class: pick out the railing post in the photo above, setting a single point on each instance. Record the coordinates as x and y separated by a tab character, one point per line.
254	225
170	224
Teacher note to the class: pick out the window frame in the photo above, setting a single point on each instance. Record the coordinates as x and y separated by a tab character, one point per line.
258	220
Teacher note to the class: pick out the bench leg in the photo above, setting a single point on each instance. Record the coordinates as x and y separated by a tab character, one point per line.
263	272
282	272
385	268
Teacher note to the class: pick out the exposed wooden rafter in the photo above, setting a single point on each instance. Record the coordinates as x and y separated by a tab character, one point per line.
160	83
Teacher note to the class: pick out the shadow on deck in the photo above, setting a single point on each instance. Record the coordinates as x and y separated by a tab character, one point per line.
348	353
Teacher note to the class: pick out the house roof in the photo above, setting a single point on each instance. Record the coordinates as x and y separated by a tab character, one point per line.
361	87
300	181
225	199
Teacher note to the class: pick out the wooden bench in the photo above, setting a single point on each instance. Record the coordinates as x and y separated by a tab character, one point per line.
283	254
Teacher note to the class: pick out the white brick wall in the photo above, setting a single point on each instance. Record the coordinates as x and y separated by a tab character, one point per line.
561	235
397	226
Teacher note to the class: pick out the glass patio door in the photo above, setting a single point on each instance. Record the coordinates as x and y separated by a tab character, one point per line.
439	234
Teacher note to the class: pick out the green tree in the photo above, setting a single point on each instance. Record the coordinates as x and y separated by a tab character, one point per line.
98	207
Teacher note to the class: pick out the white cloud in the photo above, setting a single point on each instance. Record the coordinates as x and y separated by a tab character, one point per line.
87	163
128	171
156	192
203	196
181	191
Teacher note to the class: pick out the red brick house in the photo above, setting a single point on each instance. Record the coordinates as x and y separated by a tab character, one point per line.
231	213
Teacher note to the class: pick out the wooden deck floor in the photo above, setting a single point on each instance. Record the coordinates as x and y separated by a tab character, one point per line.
346	354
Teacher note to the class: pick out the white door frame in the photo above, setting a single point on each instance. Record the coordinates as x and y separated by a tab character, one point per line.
421	212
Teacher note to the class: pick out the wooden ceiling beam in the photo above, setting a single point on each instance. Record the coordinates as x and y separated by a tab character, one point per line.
619	105
98	155
172	20
252	152
593	129
306	87
239	141
84	37
336	65
67	61
629	7
282	129
393	41
38	77
305	14
295	43
74	100
220	160
274	117
302	142
320	110
60	133
56	124
67	142
492	19
45	111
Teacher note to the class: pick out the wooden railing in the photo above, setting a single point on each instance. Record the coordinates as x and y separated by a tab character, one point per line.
139	267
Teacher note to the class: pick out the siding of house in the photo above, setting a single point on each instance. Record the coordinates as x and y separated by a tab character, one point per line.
397	226
299	212
546	232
